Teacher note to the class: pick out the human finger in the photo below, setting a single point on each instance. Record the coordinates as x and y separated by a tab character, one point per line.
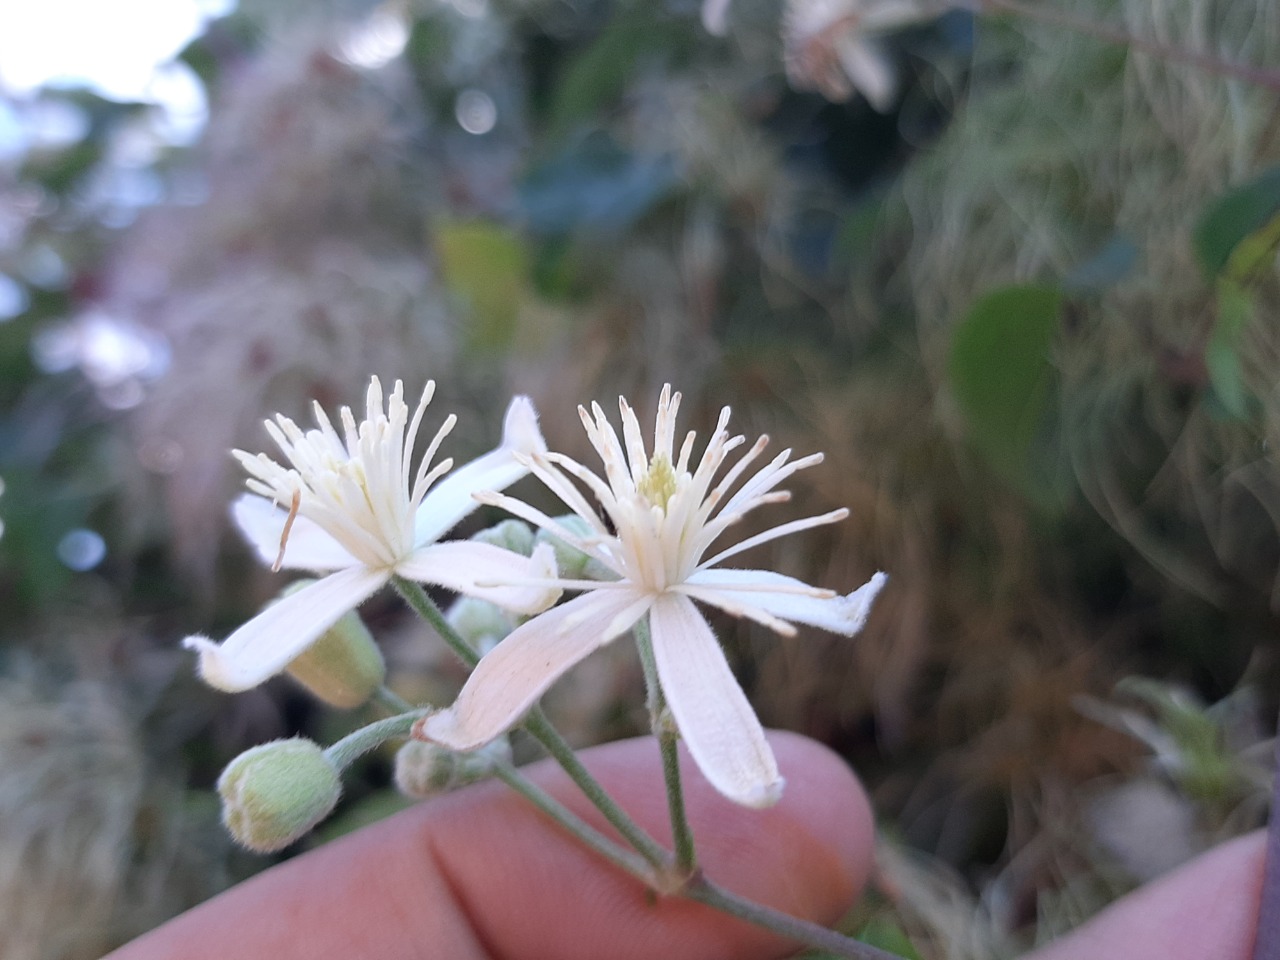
481	874
1205	910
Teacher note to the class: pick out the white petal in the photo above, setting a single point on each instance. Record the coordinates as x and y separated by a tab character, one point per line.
483	570
717	723
309	546
266	644
715	14
511	677
786	597
450	500
871	71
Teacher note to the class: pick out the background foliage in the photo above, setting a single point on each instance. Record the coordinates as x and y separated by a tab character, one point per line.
1029	313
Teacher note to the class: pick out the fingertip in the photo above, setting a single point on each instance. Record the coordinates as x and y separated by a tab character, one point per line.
1205	908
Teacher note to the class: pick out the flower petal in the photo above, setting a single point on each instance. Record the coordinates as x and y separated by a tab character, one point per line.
788	598
870	69
717	723
309	547
266	644
487	572
451	499
511	677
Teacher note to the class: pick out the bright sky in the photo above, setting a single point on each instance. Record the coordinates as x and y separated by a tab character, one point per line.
114	46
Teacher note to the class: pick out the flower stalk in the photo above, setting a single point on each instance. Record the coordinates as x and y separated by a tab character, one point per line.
668	737
354	745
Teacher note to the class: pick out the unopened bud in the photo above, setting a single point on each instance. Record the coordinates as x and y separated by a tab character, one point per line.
344	667
481	623
572	562
513	535
274	793
425	769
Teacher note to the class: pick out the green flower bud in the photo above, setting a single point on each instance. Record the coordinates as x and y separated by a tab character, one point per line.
425	769
344	667
274	793
513	535
572	563
481	623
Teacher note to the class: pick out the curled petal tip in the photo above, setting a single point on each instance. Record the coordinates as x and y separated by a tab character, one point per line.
520	432
857	606
212	666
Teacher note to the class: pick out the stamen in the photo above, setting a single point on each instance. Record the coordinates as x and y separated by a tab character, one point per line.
288	525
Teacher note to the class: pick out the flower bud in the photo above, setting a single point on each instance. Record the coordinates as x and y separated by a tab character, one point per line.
513	535
274	793
344	667
572	562
481	623
425	769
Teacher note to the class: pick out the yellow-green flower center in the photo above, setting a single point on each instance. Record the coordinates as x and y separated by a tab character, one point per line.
658	485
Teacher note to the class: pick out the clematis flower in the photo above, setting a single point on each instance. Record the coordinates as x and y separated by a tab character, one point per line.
359	511
834	46
665	515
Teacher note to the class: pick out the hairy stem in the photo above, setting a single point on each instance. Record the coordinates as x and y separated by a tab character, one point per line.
353	745
668	738
801	931
541	729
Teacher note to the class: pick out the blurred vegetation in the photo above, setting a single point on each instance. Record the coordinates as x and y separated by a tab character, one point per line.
1029	312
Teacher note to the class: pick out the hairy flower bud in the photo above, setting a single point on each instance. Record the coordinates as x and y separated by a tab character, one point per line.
513	535
573	563
481	623
344	667
426	769
274	793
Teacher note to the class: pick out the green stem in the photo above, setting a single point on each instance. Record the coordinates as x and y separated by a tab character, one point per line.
668	739
429	611
655	869
704	891
615	854
537	724
540	728
391	701
343	753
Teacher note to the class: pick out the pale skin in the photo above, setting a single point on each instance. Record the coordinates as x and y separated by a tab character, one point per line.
480	875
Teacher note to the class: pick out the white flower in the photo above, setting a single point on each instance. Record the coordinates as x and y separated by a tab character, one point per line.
833	46
358	511
665	516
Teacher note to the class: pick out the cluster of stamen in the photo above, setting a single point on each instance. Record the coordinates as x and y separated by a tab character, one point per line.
360	486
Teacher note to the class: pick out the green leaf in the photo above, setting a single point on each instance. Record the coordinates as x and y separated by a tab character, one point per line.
485	265
1241	228
886	934
1222	355
598	76
1000	371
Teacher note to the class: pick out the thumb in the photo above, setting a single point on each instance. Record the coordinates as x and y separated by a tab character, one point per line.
481	874
1205	910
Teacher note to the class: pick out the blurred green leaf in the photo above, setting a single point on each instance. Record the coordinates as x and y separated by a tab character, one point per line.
487	266
887	934
1000	371
1222	355
597	184
1241	228
598	76
61	171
